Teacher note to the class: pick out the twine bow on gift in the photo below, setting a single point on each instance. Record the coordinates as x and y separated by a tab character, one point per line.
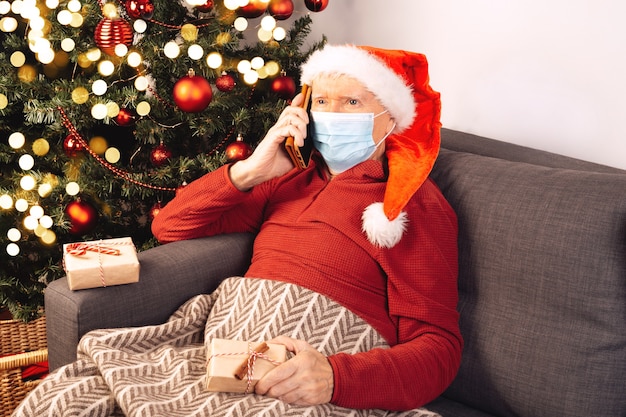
246	369
81	248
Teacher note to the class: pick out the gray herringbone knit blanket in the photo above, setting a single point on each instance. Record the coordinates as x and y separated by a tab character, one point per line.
159	371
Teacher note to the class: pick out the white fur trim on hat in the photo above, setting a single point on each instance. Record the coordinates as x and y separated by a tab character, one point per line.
390	88
379	230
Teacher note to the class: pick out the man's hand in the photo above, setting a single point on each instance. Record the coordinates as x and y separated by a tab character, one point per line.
269	160
305	379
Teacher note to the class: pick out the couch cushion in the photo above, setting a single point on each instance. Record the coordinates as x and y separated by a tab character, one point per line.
542	286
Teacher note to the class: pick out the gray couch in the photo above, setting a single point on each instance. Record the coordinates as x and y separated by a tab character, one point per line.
542	283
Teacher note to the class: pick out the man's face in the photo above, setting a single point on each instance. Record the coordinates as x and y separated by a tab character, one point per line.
344	94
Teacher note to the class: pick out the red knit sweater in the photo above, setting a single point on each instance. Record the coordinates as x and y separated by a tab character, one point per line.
309	233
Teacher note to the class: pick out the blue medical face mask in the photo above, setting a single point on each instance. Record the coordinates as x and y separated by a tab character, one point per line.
344	139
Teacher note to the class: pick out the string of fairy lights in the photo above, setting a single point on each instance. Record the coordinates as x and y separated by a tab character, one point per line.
71	14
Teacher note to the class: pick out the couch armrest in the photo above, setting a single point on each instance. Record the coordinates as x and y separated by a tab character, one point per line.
169	275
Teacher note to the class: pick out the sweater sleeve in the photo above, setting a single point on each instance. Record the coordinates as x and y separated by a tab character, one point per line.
422	295
209	206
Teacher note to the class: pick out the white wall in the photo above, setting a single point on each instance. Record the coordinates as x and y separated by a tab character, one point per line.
545	74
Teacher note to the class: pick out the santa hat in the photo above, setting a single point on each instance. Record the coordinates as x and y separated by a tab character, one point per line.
399	80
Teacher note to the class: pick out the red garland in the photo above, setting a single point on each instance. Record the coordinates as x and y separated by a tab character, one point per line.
119	172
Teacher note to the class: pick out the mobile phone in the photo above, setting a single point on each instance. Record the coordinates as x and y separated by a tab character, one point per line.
301	155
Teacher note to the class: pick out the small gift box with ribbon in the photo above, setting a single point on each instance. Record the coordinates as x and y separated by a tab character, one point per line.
236	366
100	263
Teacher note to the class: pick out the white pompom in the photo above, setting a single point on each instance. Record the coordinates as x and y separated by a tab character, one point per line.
379	230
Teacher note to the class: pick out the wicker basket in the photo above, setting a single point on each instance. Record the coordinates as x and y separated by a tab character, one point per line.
26	344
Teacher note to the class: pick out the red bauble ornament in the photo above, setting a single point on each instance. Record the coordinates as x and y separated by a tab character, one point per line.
238	150
316	5
154	211
125	117
160	155
206	7
254	8
111	32
284	86
280	9
83	217
225	82
72	146
192	93
139	8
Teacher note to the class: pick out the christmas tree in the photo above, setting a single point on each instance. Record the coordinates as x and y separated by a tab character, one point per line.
108	107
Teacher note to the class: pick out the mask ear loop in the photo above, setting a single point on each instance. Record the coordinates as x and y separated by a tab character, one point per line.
384	137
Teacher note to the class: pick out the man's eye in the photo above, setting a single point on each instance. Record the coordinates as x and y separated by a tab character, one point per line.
353	102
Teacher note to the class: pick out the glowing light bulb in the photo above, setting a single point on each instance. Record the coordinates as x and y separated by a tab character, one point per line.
121	49
44	190
272	68
99	87
214	60
36	211
5	7
105	68
28	182
268	23
14	234
231	4
8	24
72	188
13	249
171	49
21	205
140	26
99	111
17	59
46	221
112	155
17	140
68	45
6	202
26	162
93	54
112	109
30	222
134	59
77	20
244	66
241	24
251	77
141	83
48	237
74	6
110	10
143	108
264	35
257	62
37	23
279	34
64	17
195	52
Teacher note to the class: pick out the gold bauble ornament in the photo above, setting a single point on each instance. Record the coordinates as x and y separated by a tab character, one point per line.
189	32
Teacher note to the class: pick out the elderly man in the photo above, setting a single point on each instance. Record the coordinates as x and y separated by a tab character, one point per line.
358	250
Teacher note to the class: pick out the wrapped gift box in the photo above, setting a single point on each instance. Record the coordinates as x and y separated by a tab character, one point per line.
226	358
100	263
